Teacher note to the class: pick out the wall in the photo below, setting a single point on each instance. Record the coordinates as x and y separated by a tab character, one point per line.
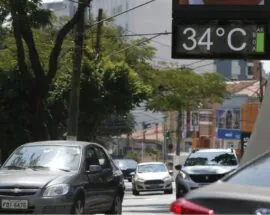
249	116
232	70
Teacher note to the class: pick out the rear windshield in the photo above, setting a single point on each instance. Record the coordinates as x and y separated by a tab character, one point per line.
126	164
206	158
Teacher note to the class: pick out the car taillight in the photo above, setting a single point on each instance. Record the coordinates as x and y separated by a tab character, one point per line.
183	206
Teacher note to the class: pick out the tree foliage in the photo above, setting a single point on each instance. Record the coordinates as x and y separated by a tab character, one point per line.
109	87
179	89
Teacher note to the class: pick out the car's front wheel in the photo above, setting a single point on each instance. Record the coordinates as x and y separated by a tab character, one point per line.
117	205
135	192
78	206
168	191
180	192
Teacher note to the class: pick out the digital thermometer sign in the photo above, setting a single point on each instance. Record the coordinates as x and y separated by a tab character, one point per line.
212	40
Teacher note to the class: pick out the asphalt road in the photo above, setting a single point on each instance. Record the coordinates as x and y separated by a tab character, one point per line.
146	203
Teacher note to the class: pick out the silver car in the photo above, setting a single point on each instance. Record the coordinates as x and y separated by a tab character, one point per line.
64	177
152	176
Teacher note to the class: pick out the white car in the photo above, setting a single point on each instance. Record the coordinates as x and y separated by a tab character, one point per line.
152	176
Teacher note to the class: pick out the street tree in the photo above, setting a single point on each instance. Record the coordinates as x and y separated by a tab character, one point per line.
183	89
109	87
26	15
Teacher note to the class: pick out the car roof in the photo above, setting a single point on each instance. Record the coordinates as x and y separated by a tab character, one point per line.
145	163
61	143
214	150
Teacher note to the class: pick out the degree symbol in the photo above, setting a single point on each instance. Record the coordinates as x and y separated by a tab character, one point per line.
220	32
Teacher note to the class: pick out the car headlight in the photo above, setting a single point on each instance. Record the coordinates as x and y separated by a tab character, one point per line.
140	179
168	178
56	190
184	175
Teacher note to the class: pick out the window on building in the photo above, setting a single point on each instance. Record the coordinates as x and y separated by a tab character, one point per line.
250	72
194	119
205	117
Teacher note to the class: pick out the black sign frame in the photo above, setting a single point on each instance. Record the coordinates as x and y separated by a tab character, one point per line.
236	55
259	12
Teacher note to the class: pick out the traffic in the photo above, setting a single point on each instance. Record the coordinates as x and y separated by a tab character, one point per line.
70	177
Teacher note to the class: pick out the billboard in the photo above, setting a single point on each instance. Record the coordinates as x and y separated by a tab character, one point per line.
215	29
219	39
221	2
229	123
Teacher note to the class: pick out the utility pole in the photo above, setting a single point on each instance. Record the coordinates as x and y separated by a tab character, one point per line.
145	126
261	84
165	147
99	28
144	131
178	133
74	101
156	124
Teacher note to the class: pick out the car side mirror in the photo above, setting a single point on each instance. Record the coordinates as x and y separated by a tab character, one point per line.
132	174
170	172
94	169
178	167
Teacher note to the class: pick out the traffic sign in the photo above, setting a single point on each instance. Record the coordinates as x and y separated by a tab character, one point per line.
211	39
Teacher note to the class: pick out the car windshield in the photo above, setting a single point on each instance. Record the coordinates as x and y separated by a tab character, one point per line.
126	164
201	158
151	168
46	156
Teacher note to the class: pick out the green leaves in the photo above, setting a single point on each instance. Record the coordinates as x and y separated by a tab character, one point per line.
177	89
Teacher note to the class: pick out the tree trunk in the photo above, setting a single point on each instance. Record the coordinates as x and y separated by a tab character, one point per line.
74	102
179	132
38	128
42	82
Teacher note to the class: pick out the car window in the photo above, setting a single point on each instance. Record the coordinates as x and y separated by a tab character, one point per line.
91	158
102	158
50	156
144	168
203	158
255	174
126	164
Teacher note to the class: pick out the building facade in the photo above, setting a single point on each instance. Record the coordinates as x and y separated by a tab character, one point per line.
61	8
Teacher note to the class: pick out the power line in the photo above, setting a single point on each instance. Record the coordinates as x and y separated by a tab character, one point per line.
146	34
137	44
160	43
119	14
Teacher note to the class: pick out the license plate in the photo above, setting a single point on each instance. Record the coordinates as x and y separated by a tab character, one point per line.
154	186
14	204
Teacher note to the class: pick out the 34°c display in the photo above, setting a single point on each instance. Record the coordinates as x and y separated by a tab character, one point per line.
208	40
